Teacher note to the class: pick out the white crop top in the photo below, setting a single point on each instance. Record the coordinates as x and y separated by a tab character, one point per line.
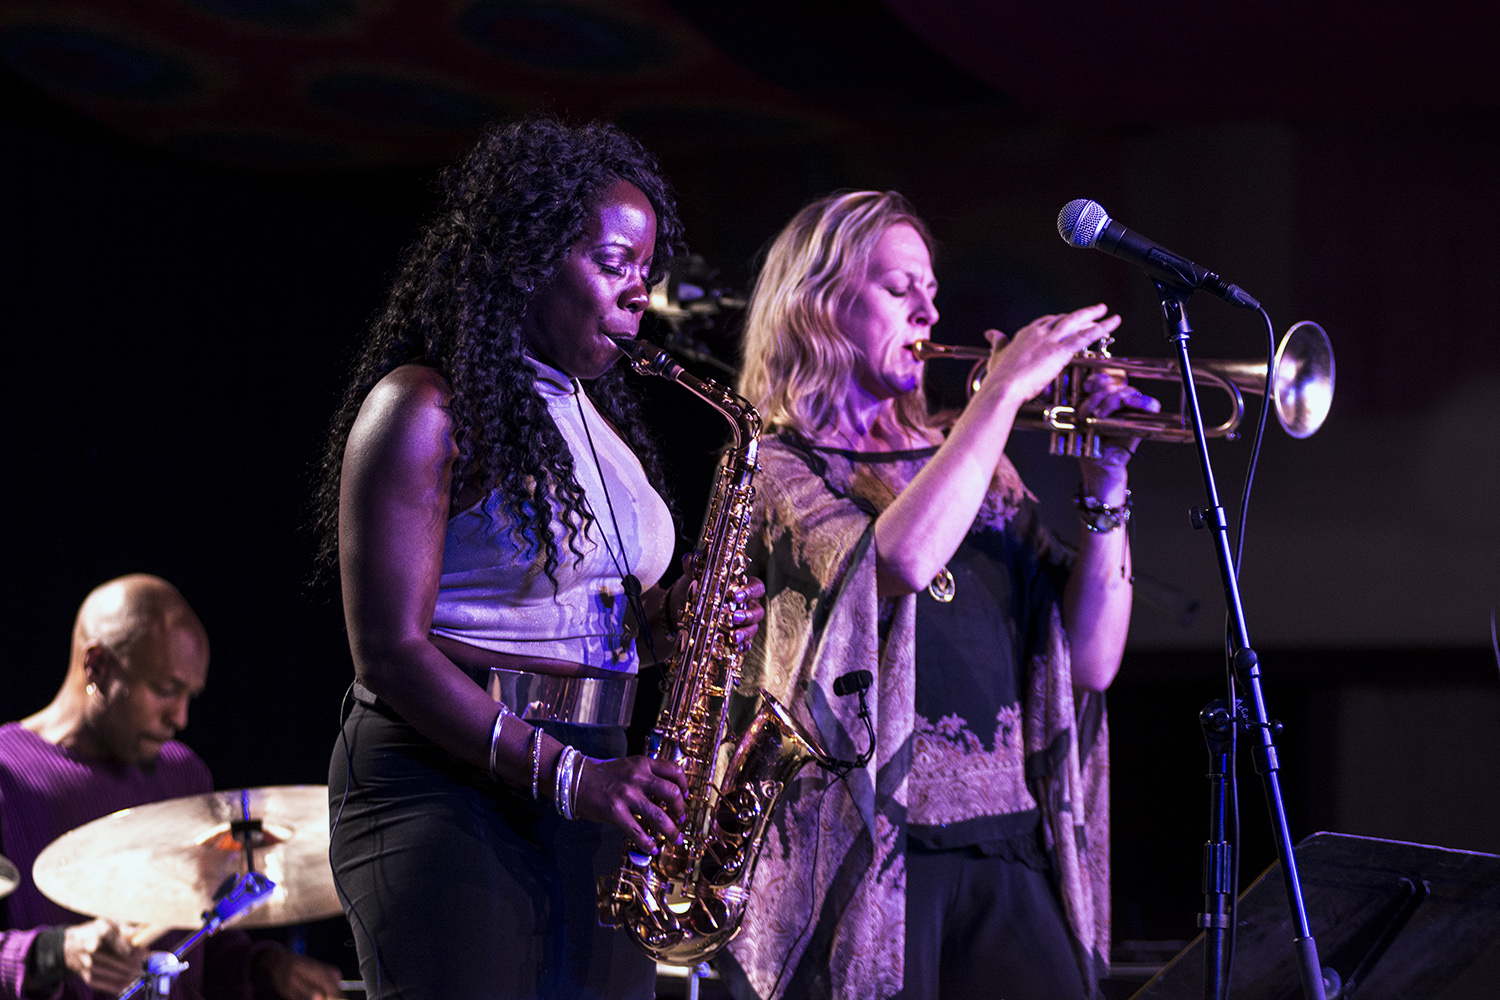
494	593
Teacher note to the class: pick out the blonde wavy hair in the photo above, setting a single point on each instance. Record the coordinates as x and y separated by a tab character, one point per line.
796	361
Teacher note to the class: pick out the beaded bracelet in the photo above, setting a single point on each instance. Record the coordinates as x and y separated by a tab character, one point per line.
495	735
536	762
1100	517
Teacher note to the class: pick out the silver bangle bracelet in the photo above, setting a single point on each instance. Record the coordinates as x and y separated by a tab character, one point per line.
570	786
536	763
562	781
576	783
495	736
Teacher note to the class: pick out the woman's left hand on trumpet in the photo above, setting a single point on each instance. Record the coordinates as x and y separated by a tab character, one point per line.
1107	394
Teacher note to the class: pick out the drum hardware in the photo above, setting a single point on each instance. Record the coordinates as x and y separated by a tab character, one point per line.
163	864
668	976
688	300
238	895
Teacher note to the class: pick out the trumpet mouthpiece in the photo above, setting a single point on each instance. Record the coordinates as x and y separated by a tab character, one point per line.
926	350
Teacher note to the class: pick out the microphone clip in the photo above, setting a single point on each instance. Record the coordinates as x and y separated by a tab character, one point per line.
854	682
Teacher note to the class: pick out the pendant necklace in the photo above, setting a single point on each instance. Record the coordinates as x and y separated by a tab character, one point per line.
628	580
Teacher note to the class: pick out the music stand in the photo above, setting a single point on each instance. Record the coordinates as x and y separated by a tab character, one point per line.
1395	921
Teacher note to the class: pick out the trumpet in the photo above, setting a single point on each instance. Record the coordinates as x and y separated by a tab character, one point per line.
1300	387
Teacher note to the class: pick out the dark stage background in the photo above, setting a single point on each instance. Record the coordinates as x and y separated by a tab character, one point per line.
187	262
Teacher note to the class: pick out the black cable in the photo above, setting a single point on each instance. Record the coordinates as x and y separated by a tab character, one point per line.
1260	434
813	904
856	681
1494	639
1239	562
853	682
338	884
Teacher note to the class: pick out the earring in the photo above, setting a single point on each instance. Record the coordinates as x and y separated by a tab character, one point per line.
92	689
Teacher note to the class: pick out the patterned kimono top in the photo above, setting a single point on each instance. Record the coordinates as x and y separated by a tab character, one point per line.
1003	756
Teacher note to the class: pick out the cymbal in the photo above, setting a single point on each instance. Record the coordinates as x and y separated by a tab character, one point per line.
10	877
161	863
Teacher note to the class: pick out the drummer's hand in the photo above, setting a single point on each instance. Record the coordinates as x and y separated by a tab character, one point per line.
99	952
1106	394
1038	352
297	977
641	796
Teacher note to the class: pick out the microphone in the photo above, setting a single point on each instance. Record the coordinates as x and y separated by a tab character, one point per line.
855	681
1085	223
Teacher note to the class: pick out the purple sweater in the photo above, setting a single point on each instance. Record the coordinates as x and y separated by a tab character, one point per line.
45	791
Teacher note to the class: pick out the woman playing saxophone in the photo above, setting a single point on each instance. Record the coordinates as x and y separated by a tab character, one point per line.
488	494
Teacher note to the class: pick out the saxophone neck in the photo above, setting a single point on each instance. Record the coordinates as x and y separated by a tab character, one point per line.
648	359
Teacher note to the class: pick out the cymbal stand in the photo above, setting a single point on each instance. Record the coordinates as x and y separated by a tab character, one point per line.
244	893
249	832
1247	667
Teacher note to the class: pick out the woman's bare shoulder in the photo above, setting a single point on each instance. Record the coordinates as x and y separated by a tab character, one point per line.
412	384
406	410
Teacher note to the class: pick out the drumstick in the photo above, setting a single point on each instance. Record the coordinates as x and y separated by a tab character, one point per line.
140	935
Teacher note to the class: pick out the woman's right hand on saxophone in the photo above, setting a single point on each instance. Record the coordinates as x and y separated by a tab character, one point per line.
641	796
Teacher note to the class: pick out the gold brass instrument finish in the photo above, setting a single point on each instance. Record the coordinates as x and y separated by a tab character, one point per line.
685	903
1301	389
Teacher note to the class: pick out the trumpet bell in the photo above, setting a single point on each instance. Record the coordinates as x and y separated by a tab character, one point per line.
1302	380
1301	384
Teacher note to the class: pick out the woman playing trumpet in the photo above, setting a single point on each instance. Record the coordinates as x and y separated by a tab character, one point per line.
969	857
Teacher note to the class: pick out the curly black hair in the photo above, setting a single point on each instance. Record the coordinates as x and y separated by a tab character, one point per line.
509	213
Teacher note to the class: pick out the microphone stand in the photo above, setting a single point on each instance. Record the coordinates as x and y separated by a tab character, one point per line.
1246	666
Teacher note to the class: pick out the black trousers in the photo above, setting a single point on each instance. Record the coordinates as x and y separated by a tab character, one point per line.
460	889
987	927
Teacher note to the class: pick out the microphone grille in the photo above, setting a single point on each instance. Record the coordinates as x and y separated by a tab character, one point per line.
1081	221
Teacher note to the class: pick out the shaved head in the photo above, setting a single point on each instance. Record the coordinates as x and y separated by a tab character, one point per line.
139	656
130	610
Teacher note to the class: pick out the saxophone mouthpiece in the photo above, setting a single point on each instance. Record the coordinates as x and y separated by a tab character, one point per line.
648	359
629	346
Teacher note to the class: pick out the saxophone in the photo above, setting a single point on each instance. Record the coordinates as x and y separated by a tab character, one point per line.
685	903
